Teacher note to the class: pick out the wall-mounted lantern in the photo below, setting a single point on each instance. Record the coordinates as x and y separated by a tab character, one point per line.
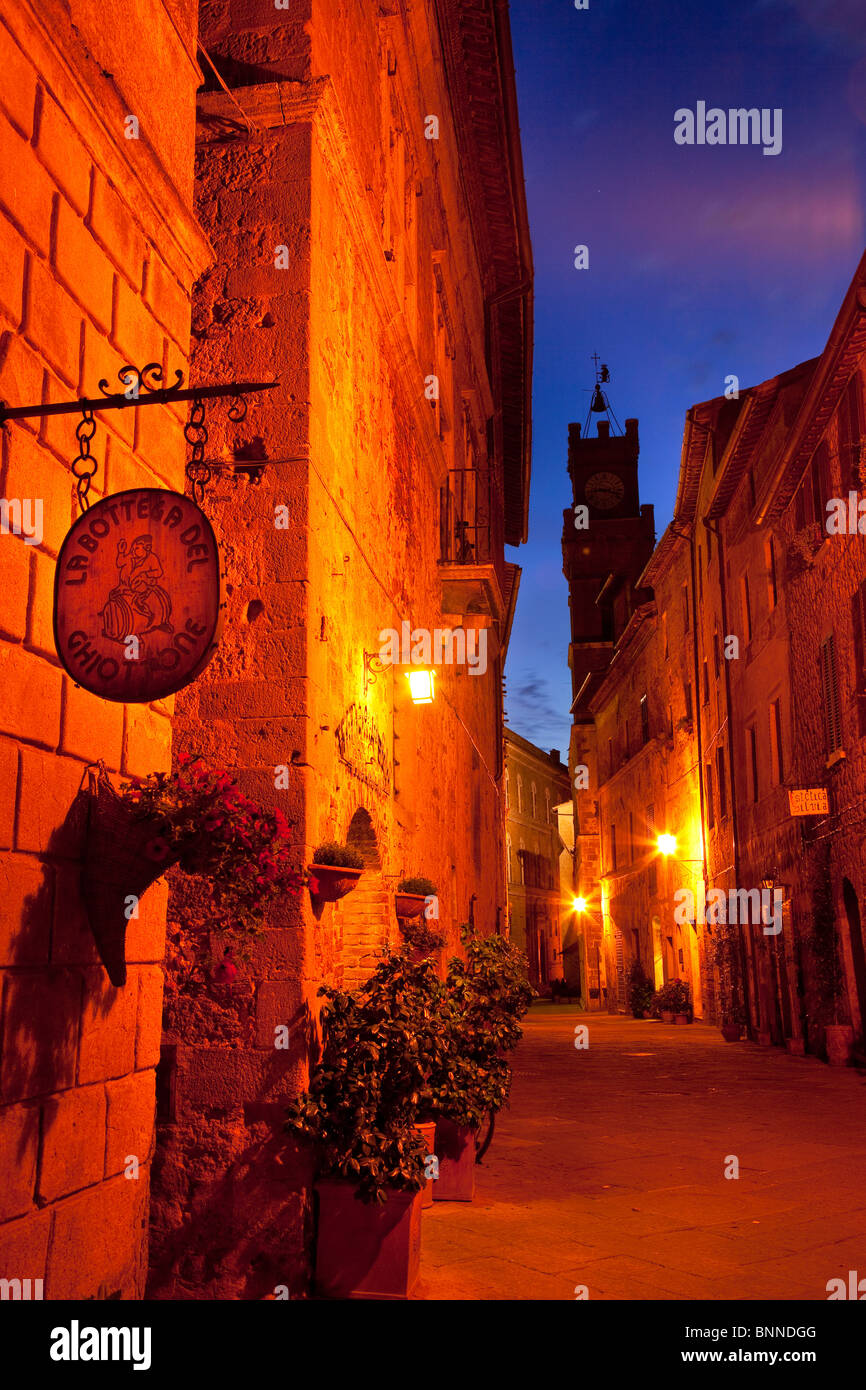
421	686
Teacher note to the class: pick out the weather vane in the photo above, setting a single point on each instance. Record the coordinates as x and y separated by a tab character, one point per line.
600	405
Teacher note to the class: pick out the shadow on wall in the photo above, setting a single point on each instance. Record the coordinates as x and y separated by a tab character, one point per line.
233	1214
59	991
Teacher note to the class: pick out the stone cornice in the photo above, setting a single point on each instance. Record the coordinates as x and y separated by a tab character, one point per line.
845	347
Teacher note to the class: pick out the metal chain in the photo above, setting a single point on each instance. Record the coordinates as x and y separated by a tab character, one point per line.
84	432
195	433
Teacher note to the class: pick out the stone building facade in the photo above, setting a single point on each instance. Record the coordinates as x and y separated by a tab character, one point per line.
538	857
99	248
746	663
367	215
348	218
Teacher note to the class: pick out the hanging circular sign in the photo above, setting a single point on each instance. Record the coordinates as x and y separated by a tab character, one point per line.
137	596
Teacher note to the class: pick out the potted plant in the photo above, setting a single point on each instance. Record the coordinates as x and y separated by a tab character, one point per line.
420	939
674	1001
828	972
360	1113
194	817
640	990
411	897
334	872
482	1001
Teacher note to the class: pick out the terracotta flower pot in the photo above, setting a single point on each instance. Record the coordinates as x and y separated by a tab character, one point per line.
427	1130
455	1149
731	1032
122	858
667	1016
409	905
330	882
366	1250
839	1038
681	1018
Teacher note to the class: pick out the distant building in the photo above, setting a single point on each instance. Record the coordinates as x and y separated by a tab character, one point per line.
720	703
538	832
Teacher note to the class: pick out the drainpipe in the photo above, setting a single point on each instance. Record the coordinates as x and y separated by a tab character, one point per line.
723	592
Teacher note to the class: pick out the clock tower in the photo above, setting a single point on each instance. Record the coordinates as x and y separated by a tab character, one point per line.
607	540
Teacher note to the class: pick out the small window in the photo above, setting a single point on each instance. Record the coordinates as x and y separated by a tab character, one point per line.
685	608
777	760
519	792
830	694
706	682
772	584
723	786
747	608
717	668
613	848
534	802
644	719
711	809
753	761
689	708
507	802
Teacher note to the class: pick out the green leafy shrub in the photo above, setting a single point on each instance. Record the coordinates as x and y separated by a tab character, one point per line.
420	887
337	855
640	989
484	998
674	997
380	1046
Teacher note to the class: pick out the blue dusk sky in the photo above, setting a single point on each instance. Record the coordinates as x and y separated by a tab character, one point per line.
704	261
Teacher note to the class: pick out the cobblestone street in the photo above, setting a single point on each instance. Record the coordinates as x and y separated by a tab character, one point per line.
608	1172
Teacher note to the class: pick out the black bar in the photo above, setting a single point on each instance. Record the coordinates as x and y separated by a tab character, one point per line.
120	400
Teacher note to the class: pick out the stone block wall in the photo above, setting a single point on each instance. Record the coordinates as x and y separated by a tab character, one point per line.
97	253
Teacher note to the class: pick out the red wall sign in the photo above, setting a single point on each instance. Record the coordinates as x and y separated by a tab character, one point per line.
136	596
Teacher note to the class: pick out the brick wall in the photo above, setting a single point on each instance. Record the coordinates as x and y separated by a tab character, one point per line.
97	253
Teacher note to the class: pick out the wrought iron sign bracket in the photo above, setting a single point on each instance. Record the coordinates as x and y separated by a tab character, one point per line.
139	391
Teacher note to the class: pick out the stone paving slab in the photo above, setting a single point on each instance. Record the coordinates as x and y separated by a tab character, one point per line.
608	1171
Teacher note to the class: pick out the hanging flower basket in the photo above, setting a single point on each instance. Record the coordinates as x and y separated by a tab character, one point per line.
123	857
197	818
409	905
330	882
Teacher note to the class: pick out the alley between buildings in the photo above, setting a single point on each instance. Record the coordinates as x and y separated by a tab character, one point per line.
608	1172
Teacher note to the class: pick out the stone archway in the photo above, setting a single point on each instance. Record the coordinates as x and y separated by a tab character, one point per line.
365	914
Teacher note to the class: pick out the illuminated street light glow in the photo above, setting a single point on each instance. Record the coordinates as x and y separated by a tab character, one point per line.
579	905
667	844
421	686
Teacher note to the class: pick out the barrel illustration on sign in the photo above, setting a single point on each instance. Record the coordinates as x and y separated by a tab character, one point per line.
137	596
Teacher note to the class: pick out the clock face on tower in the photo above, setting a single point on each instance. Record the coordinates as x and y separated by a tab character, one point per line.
604	490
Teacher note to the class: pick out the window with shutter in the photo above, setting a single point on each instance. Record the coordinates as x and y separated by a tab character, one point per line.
776	758
830	693
858	623
851	432
723	786
711	810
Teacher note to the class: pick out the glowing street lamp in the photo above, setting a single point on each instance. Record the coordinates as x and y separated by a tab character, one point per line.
579	905
421	686
666	844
